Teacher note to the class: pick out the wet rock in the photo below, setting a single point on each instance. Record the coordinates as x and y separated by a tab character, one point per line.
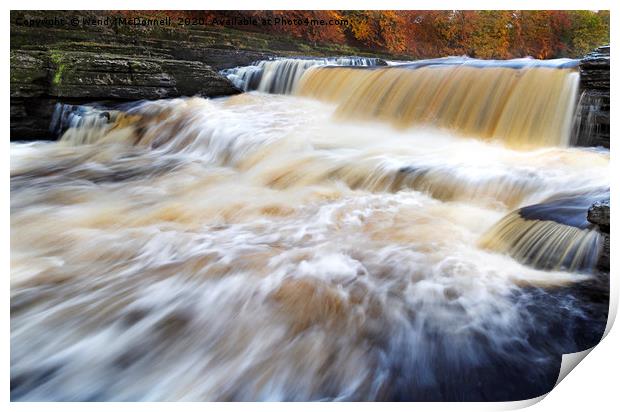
592	117
603	261
594	69
598	214
79	65
40	79
105	76
108	63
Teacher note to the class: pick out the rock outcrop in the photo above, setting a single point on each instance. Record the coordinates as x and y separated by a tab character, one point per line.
592	129
85	60
81	65
599	214
592	121
42	78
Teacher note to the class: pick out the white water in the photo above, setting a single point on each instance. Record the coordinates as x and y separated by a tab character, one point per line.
253	248
281	76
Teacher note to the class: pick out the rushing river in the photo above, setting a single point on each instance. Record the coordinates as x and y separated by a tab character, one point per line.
284	247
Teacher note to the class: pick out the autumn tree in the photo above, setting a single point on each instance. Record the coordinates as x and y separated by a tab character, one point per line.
414	34
589	30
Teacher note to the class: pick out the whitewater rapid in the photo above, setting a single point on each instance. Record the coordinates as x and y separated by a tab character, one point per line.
258	248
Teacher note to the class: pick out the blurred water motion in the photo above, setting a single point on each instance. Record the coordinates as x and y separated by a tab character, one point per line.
282	75
257	248
524	108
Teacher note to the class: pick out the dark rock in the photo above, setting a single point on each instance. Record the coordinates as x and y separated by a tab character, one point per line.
100	76
80	64
53	65
598	214
30	118
40	79
29	73
592	117
603	260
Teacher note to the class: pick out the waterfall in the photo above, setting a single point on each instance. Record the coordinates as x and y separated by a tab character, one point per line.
552	235
281	75
85	121
591	123
523	103
412	232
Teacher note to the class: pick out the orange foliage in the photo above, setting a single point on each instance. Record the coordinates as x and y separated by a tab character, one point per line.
431	33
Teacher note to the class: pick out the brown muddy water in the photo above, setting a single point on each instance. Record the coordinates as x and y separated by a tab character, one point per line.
301	247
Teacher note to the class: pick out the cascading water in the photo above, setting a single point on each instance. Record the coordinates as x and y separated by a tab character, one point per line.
592	119
281	75
552	235
264	247
488	101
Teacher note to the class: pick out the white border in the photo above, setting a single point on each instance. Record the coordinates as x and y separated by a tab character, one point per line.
592	387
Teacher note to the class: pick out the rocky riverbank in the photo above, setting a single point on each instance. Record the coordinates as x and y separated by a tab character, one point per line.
592	129
88	63
84	63
42	78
